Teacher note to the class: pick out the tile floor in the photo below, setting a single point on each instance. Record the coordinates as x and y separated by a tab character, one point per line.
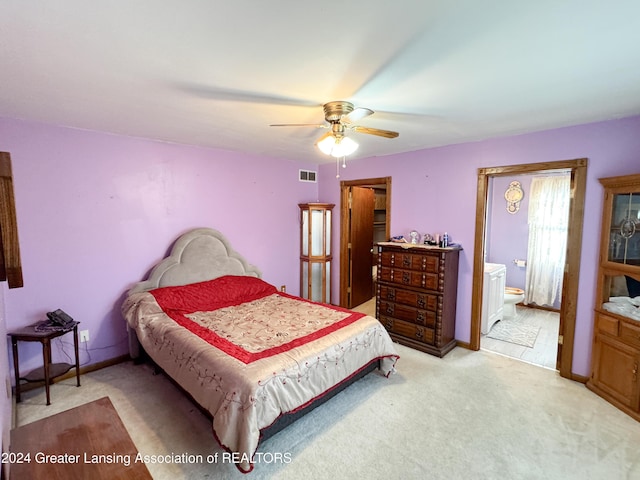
545	350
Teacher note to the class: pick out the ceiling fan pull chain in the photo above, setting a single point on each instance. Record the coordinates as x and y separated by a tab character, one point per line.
337	167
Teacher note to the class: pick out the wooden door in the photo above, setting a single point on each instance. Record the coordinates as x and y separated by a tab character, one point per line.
361	244
615	370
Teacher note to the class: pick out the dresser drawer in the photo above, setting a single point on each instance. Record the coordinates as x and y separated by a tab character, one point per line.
411	261
410	314
408	330
607	324
409	278
425	301
630	333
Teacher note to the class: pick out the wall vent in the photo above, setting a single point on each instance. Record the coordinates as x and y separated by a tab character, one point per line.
308	176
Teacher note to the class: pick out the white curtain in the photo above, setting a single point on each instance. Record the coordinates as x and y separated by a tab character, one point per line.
548	219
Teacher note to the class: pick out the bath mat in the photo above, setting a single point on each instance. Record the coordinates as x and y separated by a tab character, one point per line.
513	331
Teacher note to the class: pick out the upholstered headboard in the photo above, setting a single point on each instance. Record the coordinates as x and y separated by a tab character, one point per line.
199	255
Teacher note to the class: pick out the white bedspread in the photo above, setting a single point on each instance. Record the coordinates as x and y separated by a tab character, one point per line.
244	398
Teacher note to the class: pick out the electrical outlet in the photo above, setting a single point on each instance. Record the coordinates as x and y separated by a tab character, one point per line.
84	335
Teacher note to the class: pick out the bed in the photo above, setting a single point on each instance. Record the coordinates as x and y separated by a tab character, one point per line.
250	356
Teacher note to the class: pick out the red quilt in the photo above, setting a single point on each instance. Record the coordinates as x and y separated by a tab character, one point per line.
248	318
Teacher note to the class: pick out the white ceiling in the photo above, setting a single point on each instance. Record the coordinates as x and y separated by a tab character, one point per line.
217	73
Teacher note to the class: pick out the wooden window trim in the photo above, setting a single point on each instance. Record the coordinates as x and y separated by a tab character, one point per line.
10	264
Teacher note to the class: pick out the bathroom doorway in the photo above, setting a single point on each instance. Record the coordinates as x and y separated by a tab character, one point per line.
525	245
577	170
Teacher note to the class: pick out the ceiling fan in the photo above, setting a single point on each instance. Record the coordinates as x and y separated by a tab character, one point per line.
341	116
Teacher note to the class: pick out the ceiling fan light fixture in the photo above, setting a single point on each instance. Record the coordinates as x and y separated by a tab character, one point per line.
337	146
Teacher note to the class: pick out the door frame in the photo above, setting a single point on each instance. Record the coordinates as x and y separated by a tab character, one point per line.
345	237
568	307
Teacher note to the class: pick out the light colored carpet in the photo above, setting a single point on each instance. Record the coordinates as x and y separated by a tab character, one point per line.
470	415
516	332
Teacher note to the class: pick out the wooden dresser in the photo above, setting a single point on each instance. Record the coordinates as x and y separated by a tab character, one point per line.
416	295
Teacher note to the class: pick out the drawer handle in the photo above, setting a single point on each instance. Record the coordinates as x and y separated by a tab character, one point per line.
635	368
422	303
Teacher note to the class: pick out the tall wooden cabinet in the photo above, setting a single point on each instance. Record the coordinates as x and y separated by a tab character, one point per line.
616	342
416	295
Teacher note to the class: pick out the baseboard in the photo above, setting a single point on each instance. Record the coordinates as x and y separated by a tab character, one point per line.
539	307
466	345
25	387
579	378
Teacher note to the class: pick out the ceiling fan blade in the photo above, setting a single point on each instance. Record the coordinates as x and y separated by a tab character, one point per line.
323	137
357	114
229	94
317	125
376	131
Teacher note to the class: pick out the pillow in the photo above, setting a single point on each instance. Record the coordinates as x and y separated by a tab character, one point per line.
633	286
212	294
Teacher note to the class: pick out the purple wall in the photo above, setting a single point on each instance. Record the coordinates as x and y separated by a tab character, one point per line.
97	211
508	234
435	191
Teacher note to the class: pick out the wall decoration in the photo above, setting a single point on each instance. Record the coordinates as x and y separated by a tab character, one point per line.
513	196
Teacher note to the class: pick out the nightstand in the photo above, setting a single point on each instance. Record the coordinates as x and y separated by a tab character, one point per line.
49	370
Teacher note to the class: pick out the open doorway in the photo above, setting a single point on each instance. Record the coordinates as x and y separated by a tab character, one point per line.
525	250
365	218
577	169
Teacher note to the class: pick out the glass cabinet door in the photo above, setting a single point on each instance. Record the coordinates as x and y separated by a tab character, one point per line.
624	235
315	251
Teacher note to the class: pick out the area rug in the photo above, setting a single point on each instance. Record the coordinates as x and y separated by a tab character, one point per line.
513	331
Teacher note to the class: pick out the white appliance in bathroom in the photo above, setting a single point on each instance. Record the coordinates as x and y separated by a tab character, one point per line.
495	275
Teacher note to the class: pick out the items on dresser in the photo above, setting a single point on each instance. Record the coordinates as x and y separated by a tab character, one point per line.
616	338
417	293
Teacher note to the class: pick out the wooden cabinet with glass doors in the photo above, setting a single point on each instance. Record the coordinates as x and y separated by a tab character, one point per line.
315	251
616	336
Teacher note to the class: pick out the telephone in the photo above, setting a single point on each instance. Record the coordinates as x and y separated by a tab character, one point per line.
60	318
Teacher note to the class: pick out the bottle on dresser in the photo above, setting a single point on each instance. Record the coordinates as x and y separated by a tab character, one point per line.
445	240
